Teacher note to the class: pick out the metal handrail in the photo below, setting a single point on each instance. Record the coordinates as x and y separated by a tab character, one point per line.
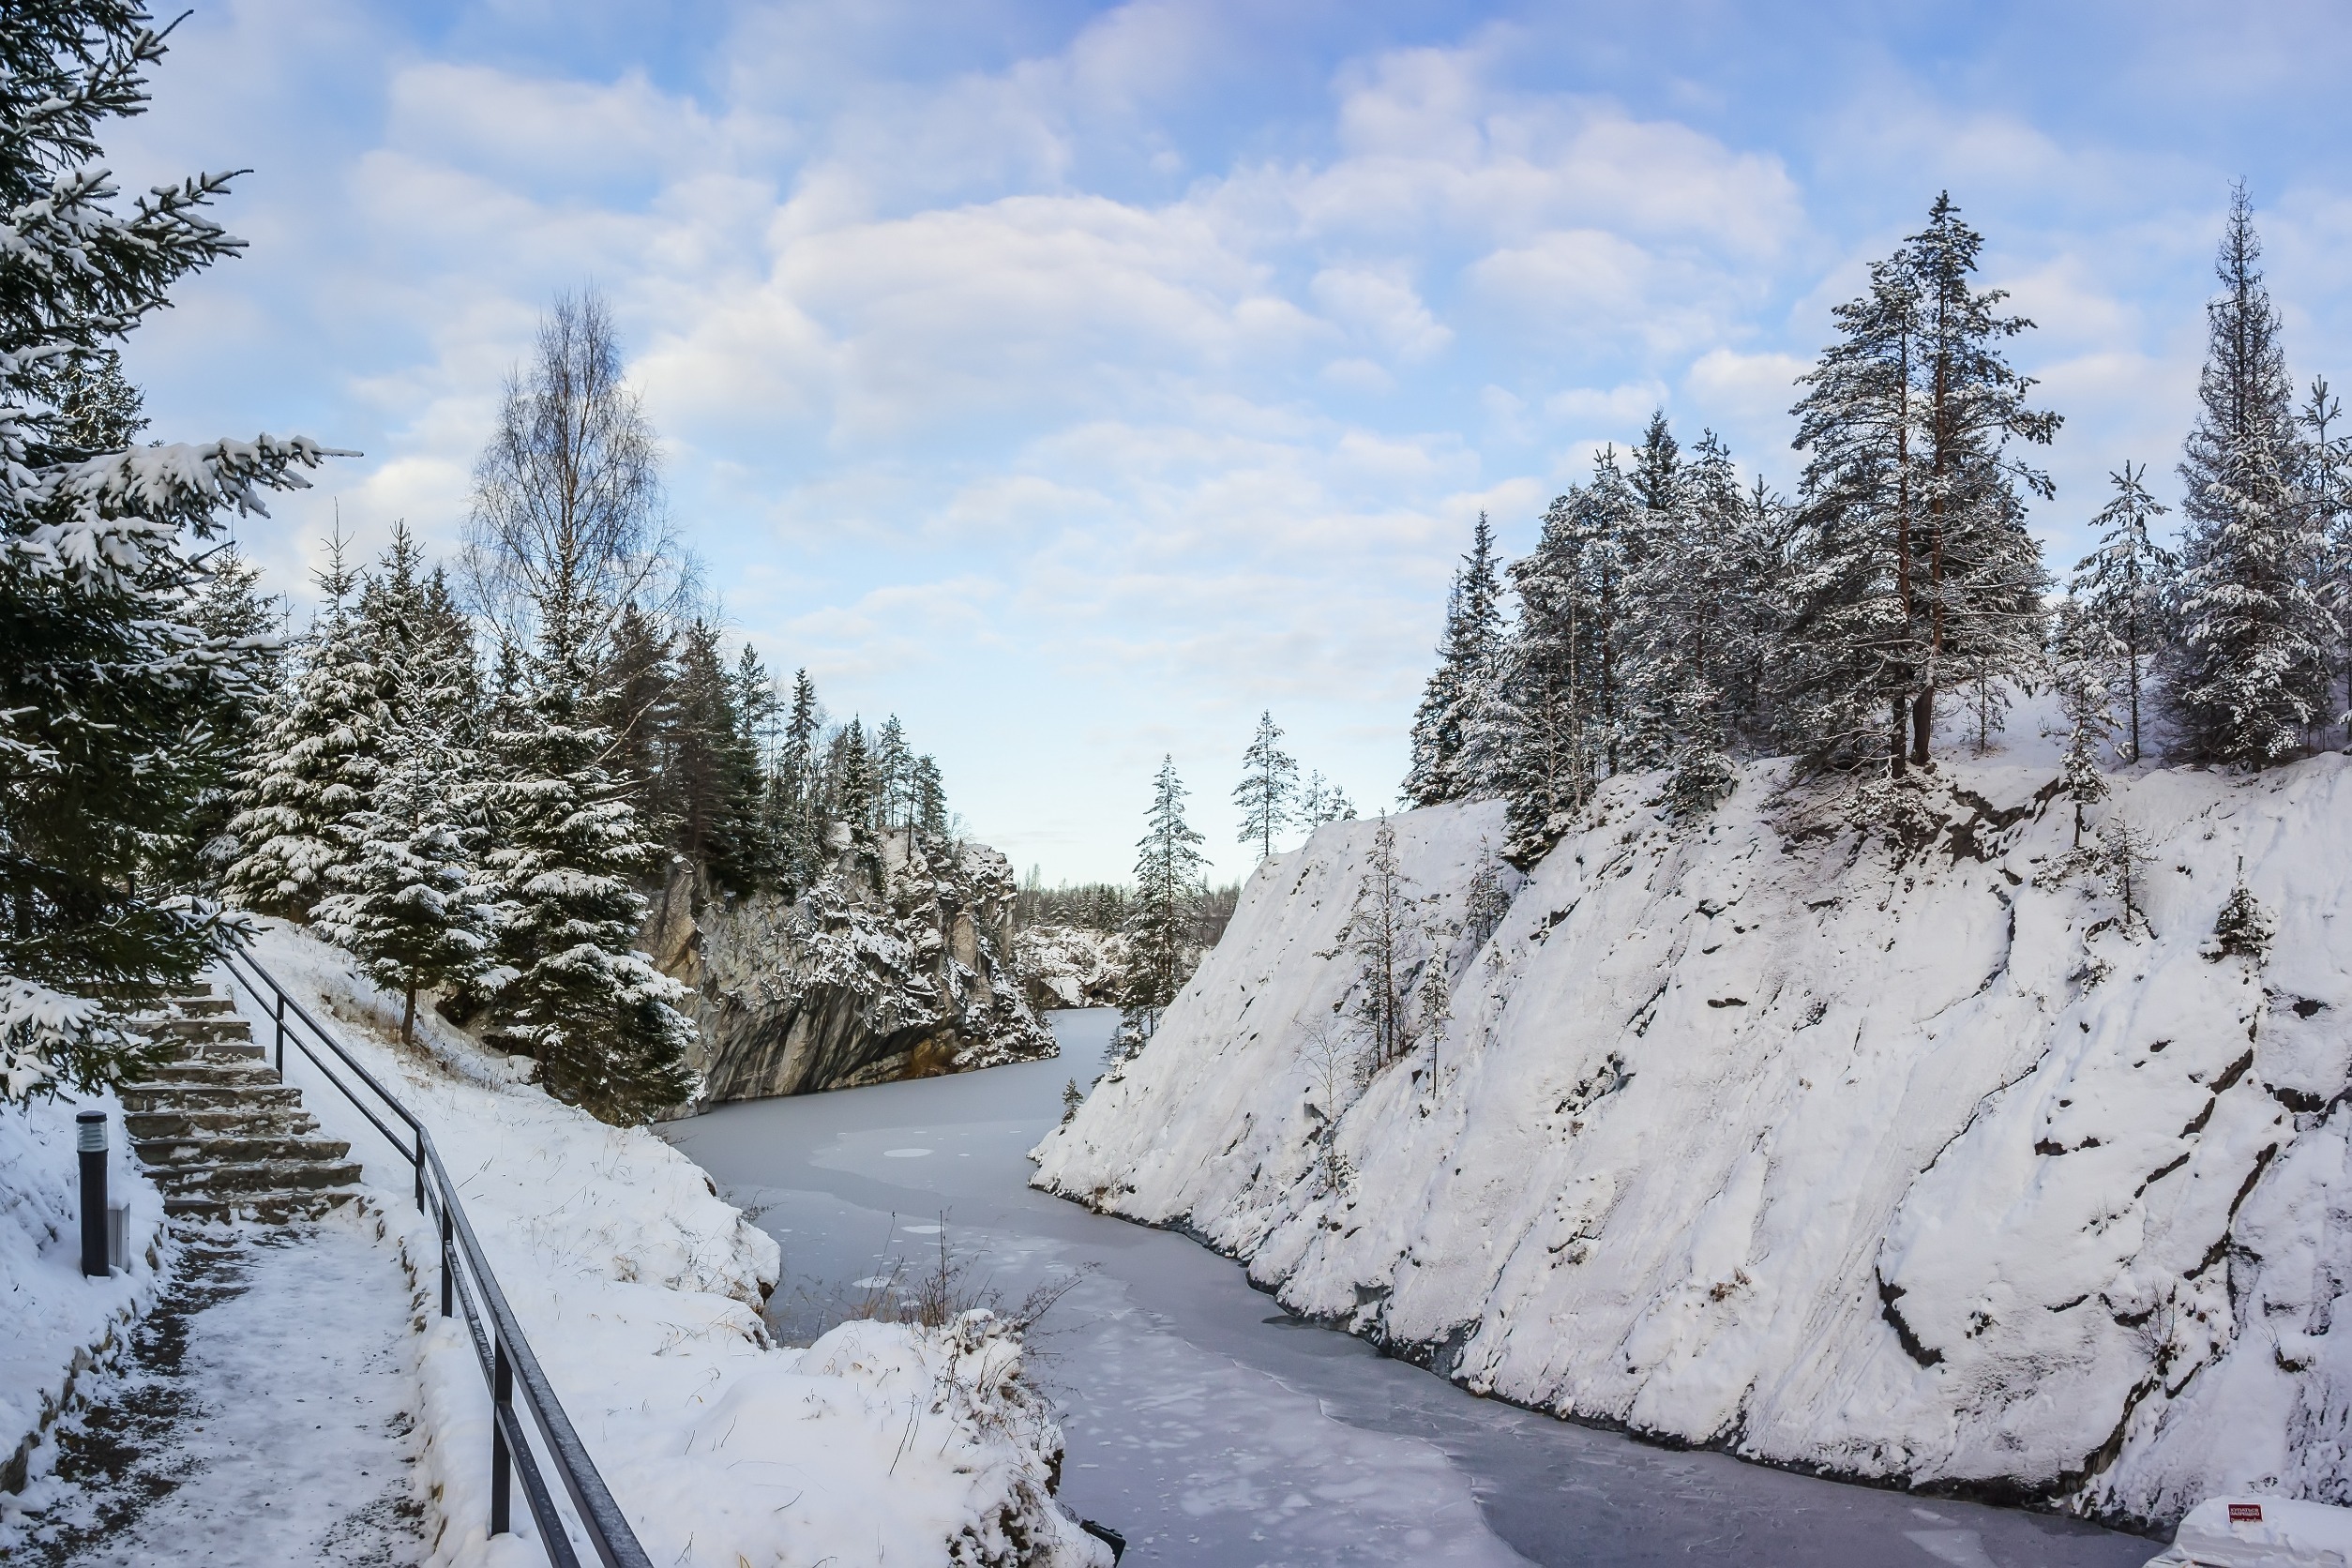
505	1356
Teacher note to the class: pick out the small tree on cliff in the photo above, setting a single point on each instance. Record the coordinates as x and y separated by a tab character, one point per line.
1167	870
1269	787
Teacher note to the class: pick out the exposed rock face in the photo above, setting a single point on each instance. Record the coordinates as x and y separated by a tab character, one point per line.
896	964
1070	966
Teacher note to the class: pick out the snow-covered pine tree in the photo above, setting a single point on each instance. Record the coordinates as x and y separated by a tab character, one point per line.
2083	658
930	799
2123	586
2327	487
566	530
1159	924
1322	800
235	614
636	702
1380	931
406	903
2248	677
1912	556
1268	791
1556	710
1984	581
792	789
711	784
851	795
1466	666
602	1022
320	757
106	687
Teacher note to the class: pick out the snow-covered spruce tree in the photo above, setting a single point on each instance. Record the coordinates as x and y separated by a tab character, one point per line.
1322	800
2123	586
634	702
711	786
565	529
106	686
930	799
602	1022
1557	703
1914	559
2081	662
1380	931
1486	902
406	903
1686	583
1268	791
2327	487
1443	725
320	757
850	792
1159	925
2248	677
794	821
232	610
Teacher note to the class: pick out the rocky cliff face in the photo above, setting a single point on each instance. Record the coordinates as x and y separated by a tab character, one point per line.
1930	1159
896	964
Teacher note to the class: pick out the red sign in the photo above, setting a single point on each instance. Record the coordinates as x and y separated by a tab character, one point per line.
2245	1513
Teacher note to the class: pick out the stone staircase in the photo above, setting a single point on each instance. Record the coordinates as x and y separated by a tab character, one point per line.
218	1132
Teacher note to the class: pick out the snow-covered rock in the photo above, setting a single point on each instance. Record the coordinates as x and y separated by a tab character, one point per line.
896	964
1919	1164
2261	1532
1070	966
642	1292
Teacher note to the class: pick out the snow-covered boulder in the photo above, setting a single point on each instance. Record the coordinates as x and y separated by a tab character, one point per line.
1070	966
896	963
1921	1161
2261	1532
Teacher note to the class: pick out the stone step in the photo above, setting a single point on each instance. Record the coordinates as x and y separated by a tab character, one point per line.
208	1006
238	1148
206	1069
218	1051
196	1096
232	1122
256	1176
265	1208
213	1027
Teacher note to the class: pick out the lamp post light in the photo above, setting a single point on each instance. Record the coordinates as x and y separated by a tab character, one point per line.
90	1141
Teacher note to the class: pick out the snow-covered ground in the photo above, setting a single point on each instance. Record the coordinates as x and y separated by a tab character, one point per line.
260	1414
1921	1166
641	1292
56	1321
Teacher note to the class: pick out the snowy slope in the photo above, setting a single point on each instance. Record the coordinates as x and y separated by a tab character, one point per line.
641	1291
1906	1165
54	1321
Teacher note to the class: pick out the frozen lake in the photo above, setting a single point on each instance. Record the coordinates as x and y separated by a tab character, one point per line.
1216	1430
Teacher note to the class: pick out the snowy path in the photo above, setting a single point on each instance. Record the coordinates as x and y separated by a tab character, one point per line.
261	1416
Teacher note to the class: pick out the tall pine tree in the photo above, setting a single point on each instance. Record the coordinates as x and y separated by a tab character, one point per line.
2123	586
1159	927
320	758
2250	676
1443	767
1268	791
106	686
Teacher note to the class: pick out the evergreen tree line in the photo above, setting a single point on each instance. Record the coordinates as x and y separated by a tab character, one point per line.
124	667
1671	617
470	774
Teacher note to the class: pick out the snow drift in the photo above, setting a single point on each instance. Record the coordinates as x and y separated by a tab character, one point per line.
1917	1162
641	1293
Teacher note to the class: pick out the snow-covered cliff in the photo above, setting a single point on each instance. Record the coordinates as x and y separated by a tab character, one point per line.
1923	1164
896	964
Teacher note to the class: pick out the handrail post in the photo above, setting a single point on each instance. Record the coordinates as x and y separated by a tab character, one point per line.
502	1401
449	1279
419	1158
282	1030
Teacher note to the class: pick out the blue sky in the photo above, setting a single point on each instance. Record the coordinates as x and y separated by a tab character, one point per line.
1077	381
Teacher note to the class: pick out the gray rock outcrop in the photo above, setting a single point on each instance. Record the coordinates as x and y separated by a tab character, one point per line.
896	963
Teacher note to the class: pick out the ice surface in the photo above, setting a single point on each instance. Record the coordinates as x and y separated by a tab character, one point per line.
1215	1429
